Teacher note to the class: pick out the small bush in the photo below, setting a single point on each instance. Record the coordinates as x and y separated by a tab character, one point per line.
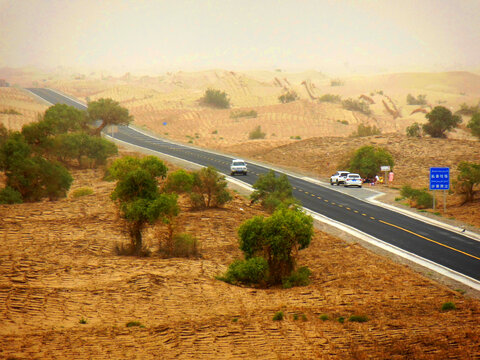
301	277
216	98
344	122
243	113
251	271
214	132
421	198
185	245
358	318
356	105
82	192
10	112
287	97
9	195
83	321
330	98
366	130
323	317
278	316
256	133
341	319
419	100
134	323
448	306
414	130
337	82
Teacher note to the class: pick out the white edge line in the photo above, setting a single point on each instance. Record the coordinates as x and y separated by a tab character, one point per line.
452	274
352	231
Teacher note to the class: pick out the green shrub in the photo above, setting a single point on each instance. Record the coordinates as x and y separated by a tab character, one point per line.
243	113
134	323
251	271
330	98
344	122
216	98
323	317
288	96
367	160
421	198
419	100
277	239
448	306
179	181
272	191
337	82
301	277
414	130
10	112
358	318
185	245
366	130
469	110
83	321
209	189
82	192
474	125
356	105
341	319
278	316
9	195
256	133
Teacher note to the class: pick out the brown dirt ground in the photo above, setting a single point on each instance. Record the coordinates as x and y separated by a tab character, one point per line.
58	267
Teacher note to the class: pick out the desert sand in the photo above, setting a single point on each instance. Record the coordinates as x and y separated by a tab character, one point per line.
65	294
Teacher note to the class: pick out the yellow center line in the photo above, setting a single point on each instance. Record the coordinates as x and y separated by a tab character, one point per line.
371	217
313	194
356	211
364	214
325	200
433	241
348	208
340	205
319	198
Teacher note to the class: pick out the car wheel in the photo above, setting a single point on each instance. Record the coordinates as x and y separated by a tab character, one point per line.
232	173
331	182
245	173
337	183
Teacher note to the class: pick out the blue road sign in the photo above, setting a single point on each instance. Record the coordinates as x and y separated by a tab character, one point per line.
439	178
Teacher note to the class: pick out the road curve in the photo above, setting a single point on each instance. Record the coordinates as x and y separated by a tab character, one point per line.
447	248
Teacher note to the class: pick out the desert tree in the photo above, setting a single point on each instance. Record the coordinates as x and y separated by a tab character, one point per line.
277	239
209	189
139	197
440	120
468	180
109	112
367	160
474	124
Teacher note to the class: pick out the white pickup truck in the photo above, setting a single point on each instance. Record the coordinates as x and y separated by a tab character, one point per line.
238	166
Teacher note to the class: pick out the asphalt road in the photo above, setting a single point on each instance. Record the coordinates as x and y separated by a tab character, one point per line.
447	248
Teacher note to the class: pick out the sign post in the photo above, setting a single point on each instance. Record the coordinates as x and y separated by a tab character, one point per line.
440	180
385	169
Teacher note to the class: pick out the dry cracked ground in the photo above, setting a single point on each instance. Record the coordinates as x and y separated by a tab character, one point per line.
64	294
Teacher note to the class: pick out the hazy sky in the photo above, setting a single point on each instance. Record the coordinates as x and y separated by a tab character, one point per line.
341	36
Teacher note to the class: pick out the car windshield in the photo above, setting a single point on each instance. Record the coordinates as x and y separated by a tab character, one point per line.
238	163
354	176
